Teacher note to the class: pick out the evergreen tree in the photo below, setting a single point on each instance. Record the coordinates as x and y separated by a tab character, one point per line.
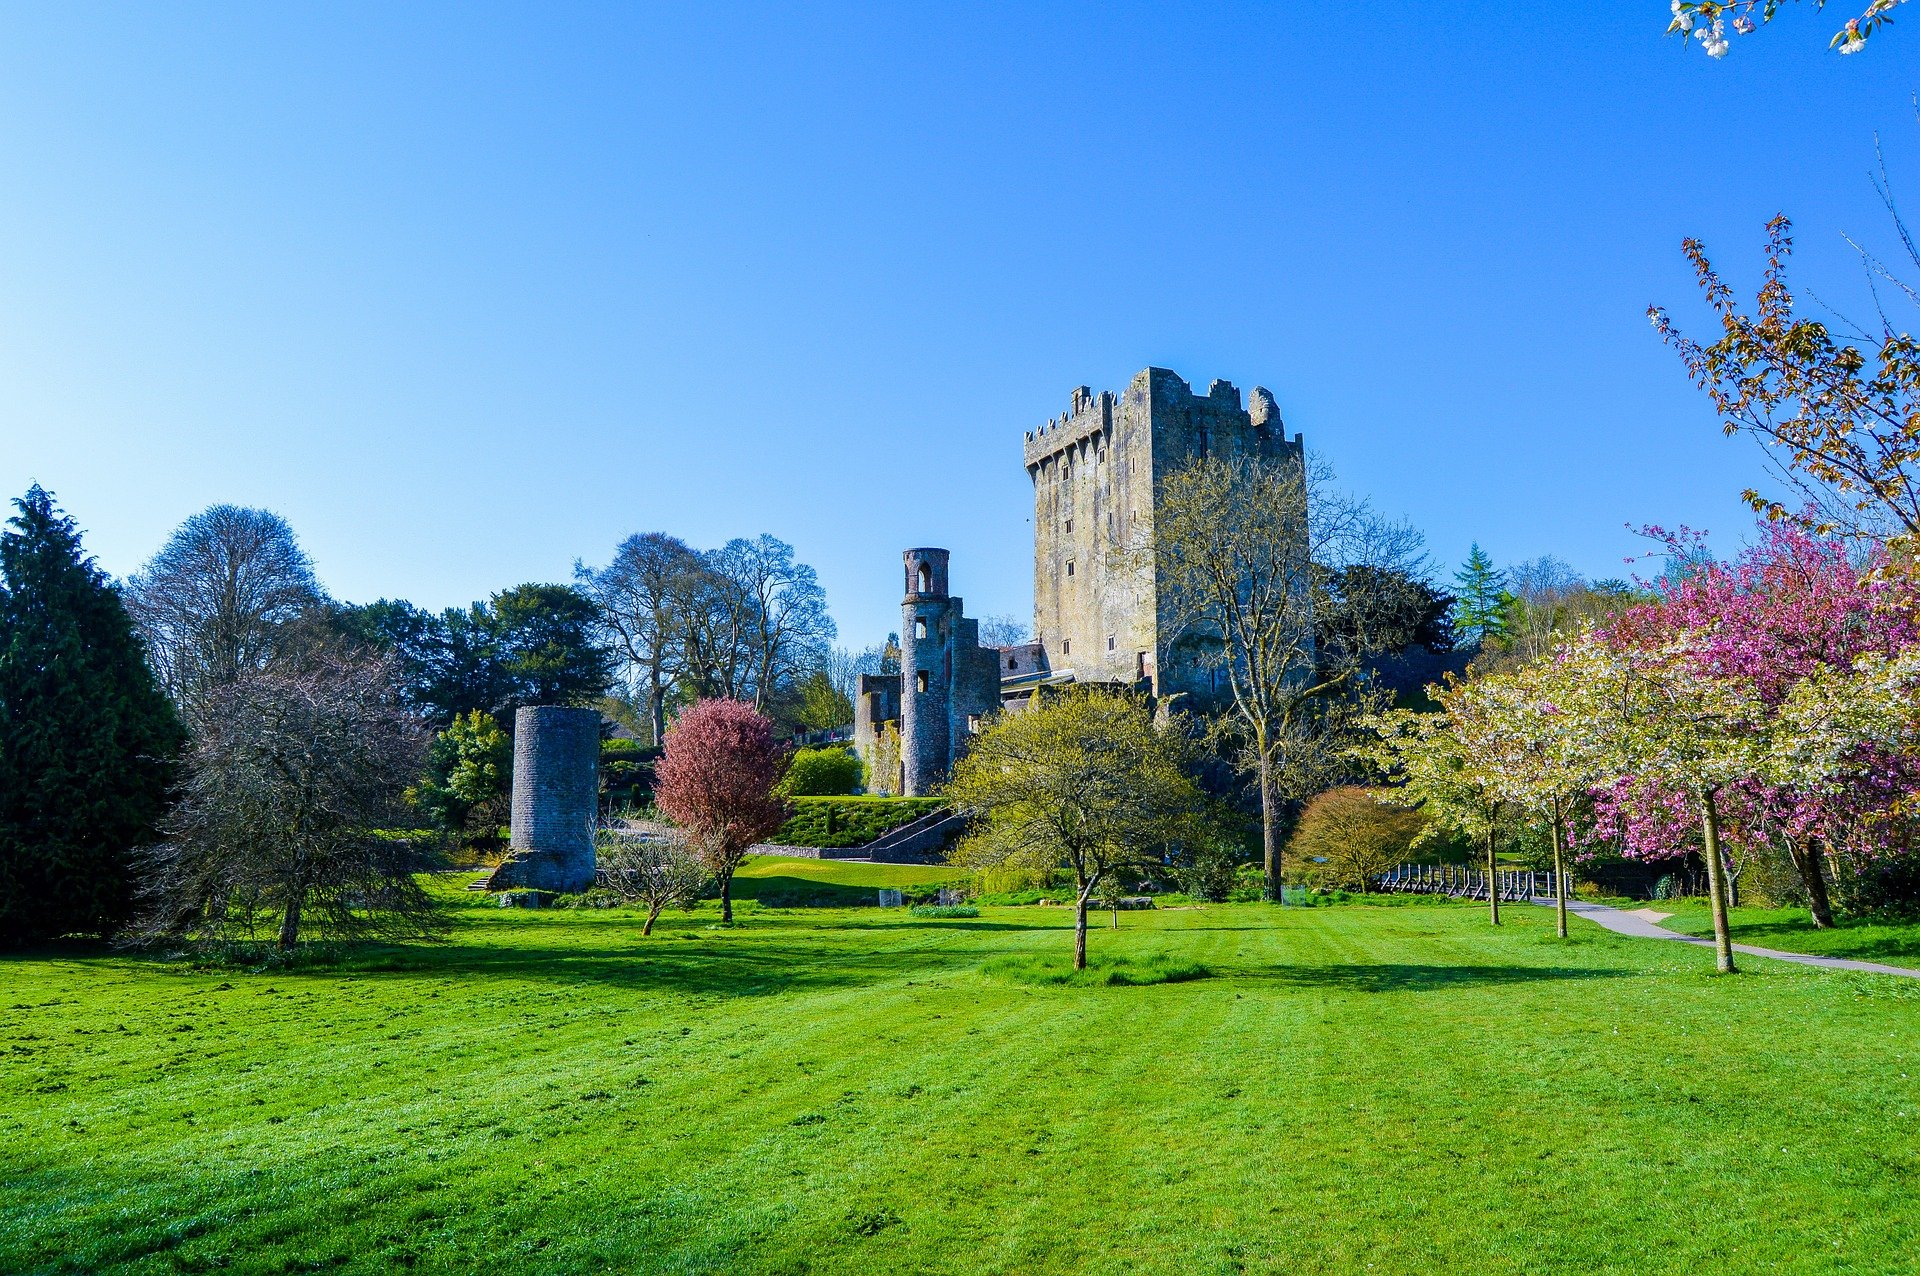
1480	600
87	739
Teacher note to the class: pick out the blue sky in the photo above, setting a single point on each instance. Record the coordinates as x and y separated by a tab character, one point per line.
466	292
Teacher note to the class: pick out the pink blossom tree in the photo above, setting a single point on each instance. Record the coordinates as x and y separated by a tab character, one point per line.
716	782
1792	608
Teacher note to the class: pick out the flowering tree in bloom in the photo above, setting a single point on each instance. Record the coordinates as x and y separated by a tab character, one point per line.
1517	727
1438	767
1792	608
716	781
1667	731
1708	21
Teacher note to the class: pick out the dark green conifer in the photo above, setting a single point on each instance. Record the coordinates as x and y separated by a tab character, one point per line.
87	740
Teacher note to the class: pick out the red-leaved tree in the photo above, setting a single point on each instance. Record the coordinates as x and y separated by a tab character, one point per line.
716	782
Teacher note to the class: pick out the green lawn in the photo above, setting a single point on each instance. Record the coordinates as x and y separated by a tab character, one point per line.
1353	1089
1791	930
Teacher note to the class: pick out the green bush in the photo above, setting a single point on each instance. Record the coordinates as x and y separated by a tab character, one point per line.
848	821
945	910
829	772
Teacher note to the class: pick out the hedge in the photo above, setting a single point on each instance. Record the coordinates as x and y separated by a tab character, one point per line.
854	821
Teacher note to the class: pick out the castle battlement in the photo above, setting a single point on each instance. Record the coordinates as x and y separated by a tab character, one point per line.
1087	414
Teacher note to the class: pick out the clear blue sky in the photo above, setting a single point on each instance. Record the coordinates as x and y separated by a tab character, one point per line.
467	291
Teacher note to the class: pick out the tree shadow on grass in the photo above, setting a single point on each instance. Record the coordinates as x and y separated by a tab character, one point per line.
1408	977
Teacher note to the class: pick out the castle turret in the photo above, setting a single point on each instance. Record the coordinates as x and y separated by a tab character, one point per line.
926	672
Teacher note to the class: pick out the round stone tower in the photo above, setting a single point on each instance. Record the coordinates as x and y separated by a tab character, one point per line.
926	673
556	795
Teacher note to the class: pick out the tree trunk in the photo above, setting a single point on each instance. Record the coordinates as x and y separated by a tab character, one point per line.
1493	882
1716	885
653	915
1559	879
1080	932
290	925
1807	860
1269	826
726	897
657	710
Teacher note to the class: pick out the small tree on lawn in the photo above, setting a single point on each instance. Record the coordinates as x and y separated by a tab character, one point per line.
1087	781
1518	729
1438	773
653	872
1660	725
717	781
292	778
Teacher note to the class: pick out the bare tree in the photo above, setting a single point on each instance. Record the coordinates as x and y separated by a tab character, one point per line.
1288	588
654	872
291	779
644	595
1004	631
222	598
779	619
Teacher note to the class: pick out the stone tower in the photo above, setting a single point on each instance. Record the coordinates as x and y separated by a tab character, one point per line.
1097	611
926	671
556	794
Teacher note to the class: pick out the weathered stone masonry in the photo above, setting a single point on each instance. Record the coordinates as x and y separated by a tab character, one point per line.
556	793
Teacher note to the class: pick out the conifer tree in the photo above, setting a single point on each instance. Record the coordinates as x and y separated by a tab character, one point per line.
1480	600
87	739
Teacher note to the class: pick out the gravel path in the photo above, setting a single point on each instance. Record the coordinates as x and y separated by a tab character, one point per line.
1625	923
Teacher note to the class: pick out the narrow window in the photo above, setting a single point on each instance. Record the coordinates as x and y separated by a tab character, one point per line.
1069	526
919	629
920	680
1109	642
1012	663
926	580
1140	667
973	724
1066	647
1069	567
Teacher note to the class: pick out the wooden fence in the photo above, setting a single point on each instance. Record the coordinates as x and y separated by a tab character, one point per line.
1467	883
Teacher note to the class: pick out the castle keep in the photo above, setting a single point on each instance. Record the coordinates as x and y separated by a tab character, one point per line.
1098	612
1098	615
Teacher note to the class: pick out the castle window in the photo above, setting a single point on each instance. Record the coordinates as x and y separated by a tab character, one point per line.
1069	525
926	580
920	681
973	724
919	629
1109	642
1012	663
1069	567
1066	647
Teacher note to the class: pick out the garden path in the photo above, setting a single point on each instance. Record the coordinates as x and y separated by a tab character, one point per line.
1625	923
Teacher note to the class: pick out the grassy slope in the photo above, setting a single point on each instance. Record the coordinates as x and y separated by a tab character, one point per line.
1790	930
1356	1089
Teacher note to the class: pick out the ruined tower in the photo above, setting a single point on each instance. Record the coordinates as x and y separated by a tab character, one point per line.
926	671
556	793
1097	609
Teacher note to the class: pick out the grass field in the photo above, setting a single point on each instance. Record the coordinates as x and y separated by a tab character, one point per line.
840	1090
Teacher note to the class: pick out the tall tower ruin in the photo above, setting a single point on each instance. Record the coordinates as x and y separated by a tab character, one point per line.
926	671
1097	610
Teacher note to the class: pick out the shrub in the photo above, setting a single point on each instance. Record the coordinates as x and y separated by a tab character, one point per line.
1357	836
1207	871
944	910
828	772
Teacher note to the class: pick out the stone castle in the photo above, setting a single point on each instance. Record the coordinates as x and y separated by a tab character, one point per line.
1098	614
